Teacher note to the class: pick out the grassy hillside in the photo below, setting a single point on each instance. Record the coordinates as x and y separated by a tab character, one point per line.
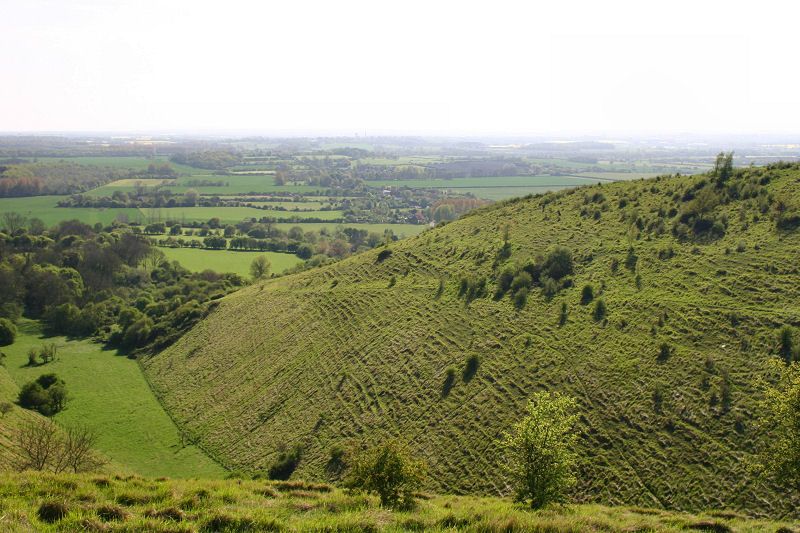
360	349
108	393
102	503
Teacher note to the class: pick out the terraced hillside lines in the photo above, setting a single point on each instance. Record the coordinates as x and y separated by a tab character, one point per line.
359	350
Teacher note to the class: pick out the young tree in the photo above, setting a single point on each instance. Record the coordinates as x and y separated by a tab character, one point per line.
259	268
389	471
540	457
43	446
780	457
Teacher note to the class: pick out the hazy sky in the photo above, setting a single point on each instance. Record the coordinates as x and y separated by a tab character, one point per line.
425	67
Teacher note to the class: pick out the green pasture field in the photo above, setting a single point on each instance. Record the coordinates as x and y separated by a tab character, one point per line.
504	193
499	181
44	207
238	262
126	162
230	215
109	393
238	184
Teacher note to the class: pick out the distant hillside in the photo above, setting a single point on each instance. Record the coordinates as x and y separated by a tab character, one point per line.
696	275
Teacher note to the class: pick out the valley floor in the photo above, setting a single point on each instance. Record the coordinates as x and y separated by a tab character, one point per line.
46	502
109	393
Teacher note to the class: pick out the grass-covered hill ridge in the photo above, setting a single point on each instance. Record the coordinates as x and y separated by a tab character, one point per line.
696	274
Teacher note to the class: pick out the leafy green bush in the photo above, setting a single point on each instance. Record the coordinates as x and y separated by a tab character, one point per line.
8	332
539	457
47	394
389	471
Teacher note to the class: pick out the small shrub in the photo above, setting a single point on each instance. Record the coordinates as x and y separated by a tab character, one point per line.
600	310
8	332
449	380
563	314
392	281
520	298
389	471
383	255
664	351
52	511
286	463
587	294
471	367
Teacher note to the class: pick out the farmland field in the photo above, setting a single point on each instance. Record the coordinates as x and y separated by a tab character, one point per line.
44	207
239	184
126	162
499	181
231	215
238	262
110	394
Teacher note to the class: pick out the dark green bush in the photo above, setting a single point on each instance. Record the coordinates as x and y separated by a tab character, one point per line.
286	463
587	294
8	332
47	394
600	310
471	367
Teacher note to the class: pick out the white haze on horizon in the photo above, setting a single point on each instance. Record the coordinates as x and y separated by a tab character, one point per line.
412	67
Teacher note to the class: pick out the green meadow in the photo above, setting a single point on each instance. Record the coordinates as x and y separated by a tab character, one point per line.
44	207
238	262
109	393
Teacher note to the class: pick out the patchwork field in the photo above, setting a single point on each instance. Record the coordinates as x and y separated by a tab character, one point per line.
198	259
109	393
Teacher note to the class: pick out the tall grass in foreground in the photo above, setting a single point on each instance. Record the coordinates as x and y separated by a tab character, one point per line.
47	502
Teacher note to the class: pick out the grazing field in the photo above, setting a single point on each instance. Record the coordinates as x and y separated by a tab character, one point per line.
505	193
239	184
617	176
109	393
663	356
231	215
128	162
399	230
100	503
44	208
499	181
198	259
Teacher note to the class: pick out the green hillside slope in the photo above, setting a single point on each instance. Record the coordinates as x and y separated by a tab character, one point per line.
360	349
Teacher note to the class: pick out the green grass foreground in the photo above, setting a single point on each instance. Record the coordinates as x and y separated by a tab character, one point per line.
45	502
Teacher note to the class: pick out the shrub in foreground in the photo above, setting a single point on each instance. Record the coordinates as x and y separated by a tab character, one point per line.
389	471
540	460
8	332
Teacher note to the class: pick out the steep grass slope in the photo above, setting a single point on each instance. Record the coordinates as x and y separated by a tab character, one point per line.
360	349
